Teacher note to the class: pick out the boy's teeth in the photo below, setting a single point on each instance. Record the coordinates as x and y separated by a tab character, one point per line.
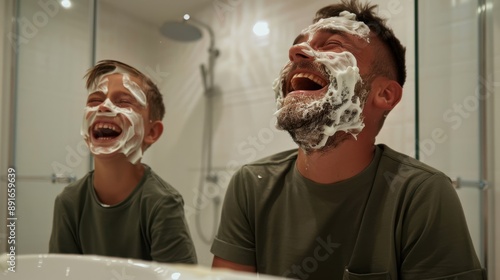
107	126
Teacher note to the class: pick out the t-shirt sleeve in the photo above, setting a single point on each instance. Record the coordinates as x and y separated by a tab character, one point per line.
63	239
235	239
170	238
435	239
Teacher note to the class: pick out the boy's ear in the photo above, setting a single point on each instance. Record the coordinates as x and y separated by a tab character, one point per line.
153	132
388	95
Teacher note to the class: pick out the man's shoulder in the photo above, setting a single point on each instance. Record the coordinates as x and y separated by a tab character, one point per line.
406	173
264	173
284	158
391	156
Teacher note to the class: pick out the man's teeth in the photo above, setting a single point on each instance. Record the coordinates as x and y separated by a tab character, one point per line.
311	77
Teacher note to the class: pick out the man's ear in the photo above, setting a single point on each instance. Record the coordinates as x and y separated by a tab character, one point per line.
153	132
388	95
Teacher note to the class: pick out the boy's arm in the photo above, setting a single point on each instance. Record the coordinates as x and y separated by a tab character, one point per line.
170	238
63	239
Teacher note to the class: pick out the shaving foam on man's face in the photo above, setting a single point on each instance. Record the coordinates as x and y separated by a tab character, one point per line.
110	124
315	92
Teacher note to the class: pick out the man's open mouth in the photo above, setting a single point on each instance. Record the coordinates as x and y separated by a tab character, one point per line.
304	81
103	131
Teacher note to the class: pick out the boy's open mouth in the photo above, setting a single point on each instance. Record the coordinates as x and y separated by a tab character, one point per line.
104	131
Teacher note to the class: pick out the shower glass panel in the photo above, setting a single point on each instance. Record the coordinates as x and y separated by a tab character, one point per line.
449	111
54	49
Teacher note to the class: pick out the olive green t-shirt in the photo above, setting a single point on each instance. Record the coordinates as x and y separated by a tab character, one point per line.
398	218
148	225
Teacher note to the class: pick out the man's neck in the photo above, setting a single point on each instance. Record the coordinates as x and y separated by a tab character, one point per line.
346	160
115	179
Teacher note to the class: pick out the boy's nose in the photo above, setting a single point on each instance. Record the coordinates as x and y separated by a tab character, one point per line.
105	106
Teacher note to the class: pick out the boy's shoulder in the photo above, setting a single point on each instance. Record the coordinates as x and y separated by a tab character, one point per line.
156	187
75	191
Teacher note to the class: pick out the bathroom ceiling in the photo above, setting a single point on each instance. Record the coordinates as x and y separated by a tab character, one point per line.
159	11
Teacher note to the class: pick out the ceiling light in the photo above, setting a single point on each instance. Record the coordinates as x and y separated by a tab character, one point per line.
261	28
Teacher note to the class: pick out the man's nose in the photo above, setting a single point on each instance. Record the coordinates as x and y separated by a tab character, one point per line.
297	53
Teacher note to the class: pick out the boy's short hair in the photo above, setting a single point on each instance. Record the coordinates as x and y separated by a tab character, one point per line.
153	95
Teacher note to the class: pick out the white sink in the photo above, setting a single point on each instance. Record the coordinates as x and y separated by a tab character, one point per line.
89	267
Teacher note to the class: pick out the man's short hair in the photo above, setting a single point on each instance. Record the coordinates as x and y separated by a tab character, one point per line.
391	63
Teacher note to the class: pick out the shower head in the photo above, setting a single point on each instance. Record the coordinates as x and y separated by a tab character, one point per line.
185	32
180	31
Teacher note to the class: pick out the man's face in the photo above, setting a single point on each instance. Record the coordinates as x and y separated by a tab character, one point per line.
115	115
319	92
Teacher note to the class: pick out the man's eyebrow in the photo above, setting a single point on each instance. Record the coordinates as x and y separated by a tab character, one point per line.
335	32
326	30
299	38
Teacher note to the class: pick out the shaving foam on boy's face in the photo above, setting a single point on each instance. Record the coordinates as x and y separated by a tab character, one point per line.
108	128
316	97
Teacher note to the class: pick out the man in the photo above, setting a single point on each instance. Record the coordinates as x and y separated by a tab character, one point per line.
341	207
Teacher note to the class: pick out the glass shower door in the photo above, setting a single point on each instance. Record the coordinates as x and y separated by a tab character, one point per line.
53	51
449	90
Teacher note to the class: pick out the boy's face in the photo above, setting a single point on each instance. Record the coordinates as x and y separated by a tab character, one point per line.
116	116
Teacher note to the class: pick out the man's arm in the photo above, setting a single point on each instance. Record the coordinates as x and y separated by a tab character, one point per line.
435	238
234	245
222	263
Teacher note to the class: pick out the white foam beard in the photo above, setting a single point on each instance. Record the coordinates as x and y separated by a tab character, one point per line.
310	120
129	142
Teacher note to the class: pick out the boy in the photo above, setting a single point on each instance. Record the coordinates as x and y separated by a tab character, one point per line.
121	208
